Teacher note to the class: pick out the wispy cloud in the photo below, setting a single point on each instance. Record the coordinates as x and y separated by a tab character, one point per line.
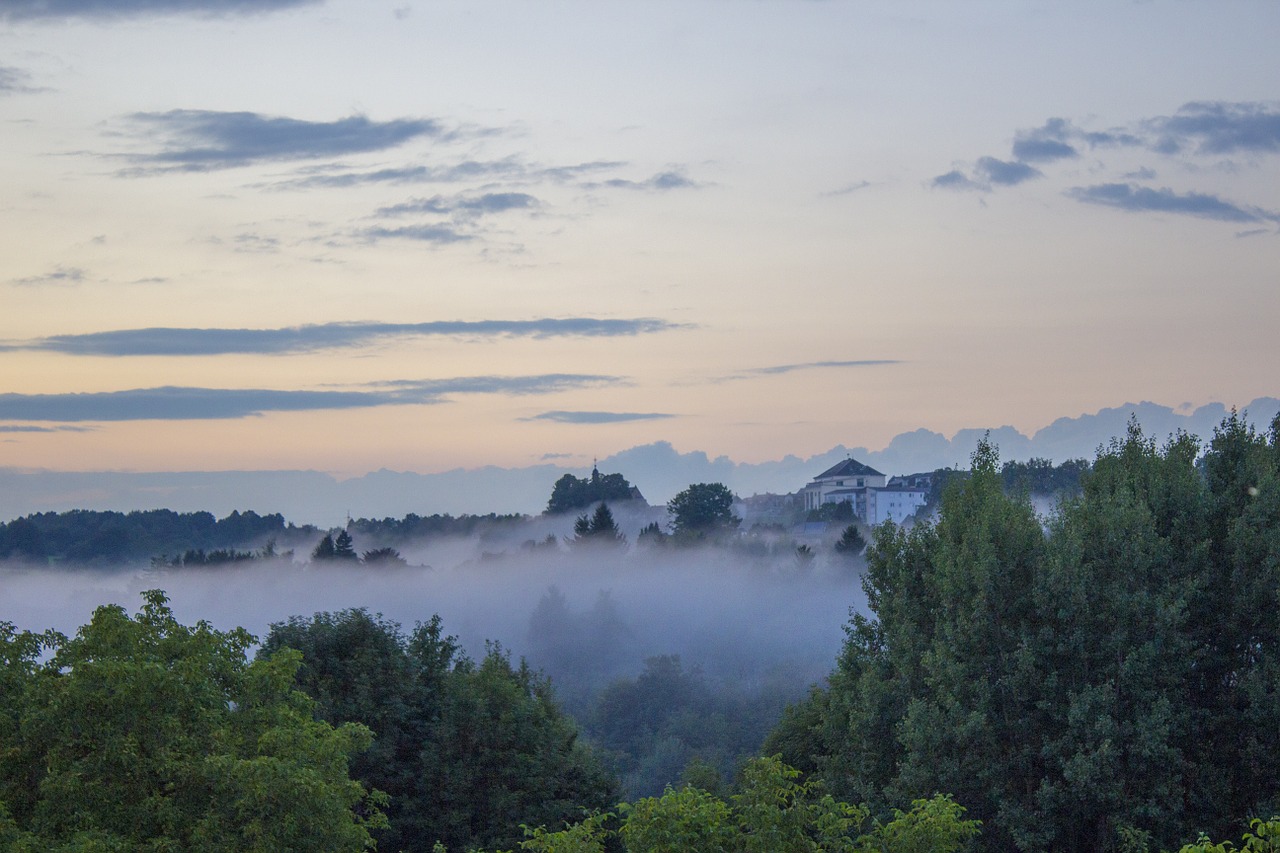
1196	129
562	417
28	428
509	169
14	81
1136	199
301	339
179	403
57	276
465	206
776	369
19	10
440	235
670	180
986	173
847	189
206	140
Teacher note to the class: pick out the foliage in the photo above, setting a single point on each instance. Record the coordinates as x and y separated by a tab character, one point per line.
670	722
143	734
324	550
851	542
573	493
598	530
837	511
468	751
1041	477
702	511
95	538
773	812
1265	838
651	535
343	549
414	527
198	557
383	557
1080	686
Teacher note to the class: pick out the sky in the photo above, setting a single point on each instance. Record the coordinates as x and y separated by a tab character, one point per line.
346	235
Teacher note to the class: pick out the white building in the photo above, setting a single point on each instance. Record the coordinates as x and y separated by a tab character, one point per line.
873	500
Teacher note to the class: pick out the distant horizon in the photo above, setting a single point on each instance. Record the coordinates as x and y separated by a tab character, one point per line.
657	468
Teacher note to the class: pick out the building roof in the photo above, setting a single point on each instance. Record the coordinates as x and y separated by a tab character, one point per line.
849	468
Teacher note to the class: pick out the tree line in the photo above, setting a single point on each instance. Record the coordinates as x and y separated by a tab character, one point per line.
1102	680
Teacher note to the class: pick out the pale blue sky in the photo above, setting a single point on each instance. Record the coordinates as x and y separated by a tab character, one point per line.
420	235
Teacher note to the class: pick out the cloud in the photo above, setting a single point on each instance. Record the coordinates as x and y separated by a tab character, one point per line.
1144	173
59	276
5	428
464	206
441	235
178	403
1136	199
508	168
13	81
989	170
301	339
1219	127
1212	128
562	417
847	189
1045	144
255	243
953	180
19	10
776	369
205	140
662	181
1042	150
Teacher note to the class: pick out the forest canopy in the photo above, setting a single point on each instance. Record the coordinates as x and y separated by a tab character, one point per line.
1105	677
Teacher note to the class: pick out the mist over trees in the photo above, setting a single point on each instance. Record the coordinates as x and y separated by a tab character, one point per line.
702	512
1106	677
467	750
572	493
110	539
1102	676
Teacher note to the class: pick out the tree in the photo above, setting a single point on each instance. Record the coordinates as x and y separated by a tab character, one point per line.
143	734
571	493
324	549
851	542
384	557
467	750
773	812
1081	684
343	549
702	511
651	535
599	529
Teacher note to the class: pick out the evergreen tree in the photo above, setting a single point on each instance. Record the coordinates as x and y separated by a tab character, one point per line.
851	542
343	549
1107	676
467	750
599	529
324	550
